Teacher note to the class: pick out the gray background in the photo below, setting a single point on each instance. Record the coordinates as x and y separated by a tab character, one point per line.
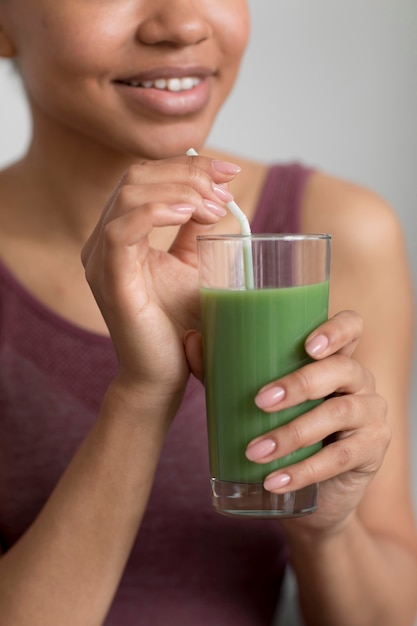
330	82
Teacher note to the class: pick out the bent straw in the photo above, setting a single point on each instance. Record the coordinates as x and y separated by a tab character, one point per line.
245	230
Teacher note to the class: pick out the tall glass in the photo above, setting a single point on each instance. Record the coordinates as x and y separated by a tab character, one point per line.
261	295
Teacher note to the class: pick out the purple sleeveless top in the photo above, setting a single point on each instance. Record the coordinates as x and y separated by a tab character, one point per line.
189	565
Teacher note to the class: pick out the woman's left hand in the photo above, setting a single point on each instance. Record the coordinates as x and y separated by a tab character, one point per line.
351	422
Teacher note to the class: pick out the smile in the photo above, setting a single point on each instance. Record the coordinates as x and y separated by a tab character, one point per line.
167	84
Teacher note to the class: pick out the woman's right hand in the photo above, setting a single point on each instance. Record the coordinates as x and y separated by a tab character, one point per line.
149	297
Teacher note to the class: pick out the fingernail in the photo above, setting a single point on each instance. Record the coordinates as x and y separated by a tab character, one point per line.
276	481
182	208
222	193
317	345
260	449
268	397
226	168
215	208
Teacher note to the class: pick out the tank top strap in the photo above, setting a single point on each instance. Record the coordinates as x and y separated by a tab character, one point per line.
280	201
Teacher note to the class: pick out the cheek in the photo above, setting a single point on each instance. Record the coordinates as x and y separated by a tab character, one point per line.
56	41
235	29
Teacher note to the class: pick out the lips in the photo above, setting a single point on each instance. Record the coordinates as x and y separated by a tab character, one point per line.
170	91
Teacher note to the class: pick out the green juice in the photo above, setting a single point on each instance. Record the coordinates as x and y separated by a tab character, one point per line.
251	338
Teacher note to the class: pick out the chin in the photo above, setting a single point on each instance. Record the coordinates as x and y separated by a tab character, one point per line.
169	146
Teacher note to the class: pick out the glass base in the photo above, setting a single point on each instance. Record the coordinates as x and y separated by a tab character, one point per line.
252	500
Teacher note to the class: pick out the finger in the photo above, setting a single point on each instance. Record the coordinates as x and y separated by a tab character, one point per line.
184	247
174	207
193	173
338	373
338	334
131	197
193	346
122	244
343	415
149	196
188	167
192	181
348	454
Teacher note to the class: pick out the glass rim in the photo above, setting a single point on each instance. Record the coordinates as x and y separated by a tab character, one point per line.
266	237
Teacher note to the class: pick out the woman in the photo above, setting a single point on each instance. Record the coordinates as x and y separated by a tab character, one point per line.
105	515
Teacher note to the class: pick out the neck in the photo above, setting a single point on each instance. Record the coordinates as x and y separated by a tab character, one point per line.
70	179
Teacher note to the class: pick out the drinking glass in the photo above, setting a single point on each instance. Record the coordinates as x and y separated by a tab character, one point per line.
261	296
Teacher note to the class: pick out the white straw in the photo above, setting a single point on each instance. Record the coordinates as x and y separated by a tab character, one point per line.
245	229
232	206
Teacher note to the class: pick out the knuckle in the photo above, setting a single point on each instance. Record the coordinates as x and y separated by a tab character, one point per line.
186	193
343	454
340	319
302	380
345	326
193	170
177	192
347	405
337	326
134	173
308	472
349	365
89	274
111	233
198	178
126	195
295	434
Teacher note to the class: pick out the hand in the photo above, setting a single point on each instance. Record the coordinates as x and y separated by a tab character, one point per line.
148	297
351	422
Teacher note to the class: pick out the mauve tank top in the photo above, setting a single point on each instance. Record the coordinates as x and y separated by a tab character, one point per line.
189	566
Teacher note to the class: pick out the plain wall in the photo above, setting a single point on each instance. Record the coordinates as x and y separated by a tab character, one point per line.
329	82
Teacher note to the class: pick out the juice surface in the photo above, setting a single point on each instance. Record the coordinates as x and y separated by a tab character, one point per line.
252	337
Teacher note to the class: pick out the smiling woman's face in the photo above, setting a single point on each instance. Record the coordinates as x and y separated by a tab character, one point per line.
145	77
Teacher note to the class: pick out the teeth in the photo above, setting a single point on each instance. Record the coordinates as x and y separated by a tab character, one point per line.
189	82
169	84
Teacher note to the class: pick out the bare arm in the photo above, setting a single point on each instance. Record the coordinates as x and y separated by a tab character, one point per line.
66	568
355	558
366	572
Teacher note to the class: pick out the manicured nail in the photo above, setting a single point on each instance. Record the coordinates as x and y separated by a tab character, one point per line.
276	481
222	193
182	208
260	449
268	397
317	345
226	168
215	208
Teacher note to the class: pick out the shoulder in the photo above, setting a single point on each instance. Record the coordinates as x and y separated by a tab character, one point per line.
369	255
351	213
364	227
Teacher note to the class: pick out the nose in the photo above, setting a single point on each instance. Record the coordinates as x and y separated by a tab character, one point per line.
174	22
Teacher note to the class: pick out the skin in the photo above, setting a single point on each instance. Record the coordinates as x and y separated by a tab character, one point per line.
106	182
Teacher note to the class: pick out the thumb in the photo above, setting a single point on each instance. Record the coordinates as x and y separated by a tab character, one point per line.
184	246
193	346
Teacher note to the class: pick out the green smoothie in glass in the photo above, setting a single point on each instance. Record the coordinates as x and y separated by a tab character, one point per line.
251	337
